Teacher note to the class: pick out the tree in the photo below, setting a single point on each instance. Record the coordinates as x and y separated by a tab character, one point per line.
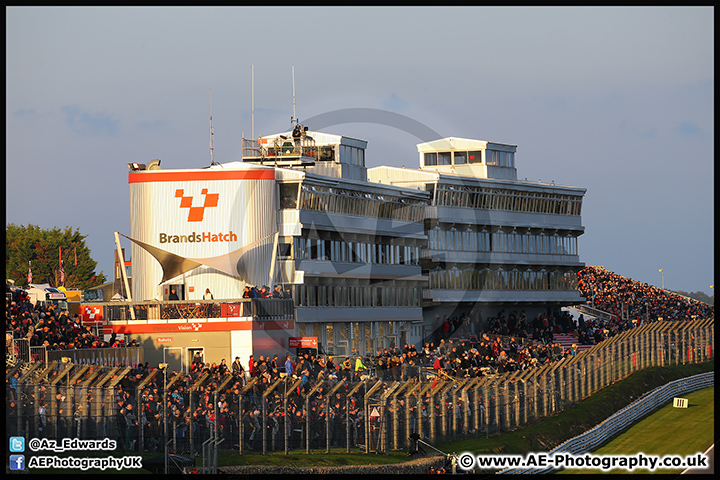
699	296
40	249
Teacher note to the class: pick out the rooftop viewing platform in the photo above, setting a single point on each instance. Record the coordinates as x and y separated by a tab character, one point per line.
285	151
316	152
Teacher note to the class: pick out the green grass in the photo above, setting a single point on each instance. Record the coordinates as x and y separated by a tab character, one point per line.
336	457
686	431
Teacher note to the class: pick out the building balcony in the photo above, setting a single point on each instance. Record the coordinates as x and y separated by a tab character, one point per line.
190	311
438	295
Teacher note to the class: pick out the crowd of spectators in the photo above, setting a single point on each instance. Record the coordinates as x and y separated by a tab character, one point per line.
265	292
45	325
622	297
505	342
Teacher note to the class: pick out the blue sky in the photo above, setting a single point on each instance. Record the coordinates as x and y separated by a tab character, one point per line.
615	100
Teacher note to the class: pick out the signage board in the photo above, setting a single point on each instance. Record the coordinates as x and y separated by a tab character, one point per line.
303	342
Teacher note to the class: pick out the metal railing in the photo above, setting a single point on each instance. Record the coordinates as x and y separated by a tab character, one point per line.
107	357
278	148
260	308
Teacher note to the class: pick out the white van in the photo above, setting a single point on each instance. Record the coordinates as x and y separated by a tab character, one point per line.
47	295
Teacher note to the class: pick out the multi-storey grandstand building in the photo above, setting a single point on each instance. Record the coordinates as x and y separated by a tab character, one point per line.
370	257
494	243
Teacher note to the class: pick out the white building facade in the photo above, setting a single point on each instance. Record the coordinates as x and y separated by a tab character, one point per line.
370	257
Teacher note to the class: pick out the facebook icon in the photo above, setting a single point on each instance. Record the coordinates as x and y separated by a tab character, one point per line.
17	462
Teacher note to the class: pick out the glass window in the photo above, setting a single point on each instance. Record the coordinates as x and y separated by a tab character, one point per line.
343	331
312	248
491	157
460	158
289	195
343	154
284	250
444	158
311	295
475	157
299	248
483	241
430	159
454	239
329	335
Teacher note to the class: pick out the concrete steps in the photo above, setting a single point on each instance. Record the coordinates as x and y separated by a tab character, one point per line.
566	340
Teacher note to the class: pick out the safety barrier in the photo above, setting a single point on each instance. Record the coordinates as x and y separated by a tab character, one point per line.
624	418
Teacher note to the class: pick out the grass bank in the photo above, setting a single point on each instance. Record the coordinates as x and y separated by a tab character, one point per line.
667	431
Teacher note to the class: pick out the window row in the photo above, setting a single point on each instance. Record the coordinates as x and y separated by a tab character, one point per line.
470	278
470	240
352	155
356	296
505	199
362	337
355	252
492	157
351	202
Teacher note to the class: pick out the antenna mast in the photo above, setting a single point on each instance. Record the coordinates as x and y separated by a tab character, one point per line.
212	133
252	100
293	119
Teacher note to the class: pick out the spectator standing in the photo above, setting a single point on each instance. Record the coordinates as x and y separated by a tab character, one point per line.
237	368
289	368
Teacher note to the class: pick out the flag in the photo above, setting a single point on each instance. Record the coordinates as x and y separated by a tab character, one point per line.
62	272
75	252
29	273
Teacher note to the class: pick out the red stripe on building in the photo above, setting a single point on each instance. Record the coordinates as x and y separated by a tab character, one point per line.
170	176
200	327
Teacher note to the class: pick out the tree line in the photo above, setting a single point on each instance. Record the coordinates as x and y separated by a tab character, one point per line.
699	296
31	248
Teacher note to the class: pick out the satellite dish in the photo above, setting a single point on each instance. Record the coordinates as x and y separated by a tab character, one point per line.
153	164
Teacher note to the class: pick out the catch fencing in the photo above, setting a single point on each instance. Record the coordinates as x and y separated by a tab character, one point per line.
624	418
283	414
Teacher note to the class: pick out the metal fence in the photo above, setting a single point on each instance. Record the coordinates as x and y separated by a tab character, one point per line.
265	414
108	357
